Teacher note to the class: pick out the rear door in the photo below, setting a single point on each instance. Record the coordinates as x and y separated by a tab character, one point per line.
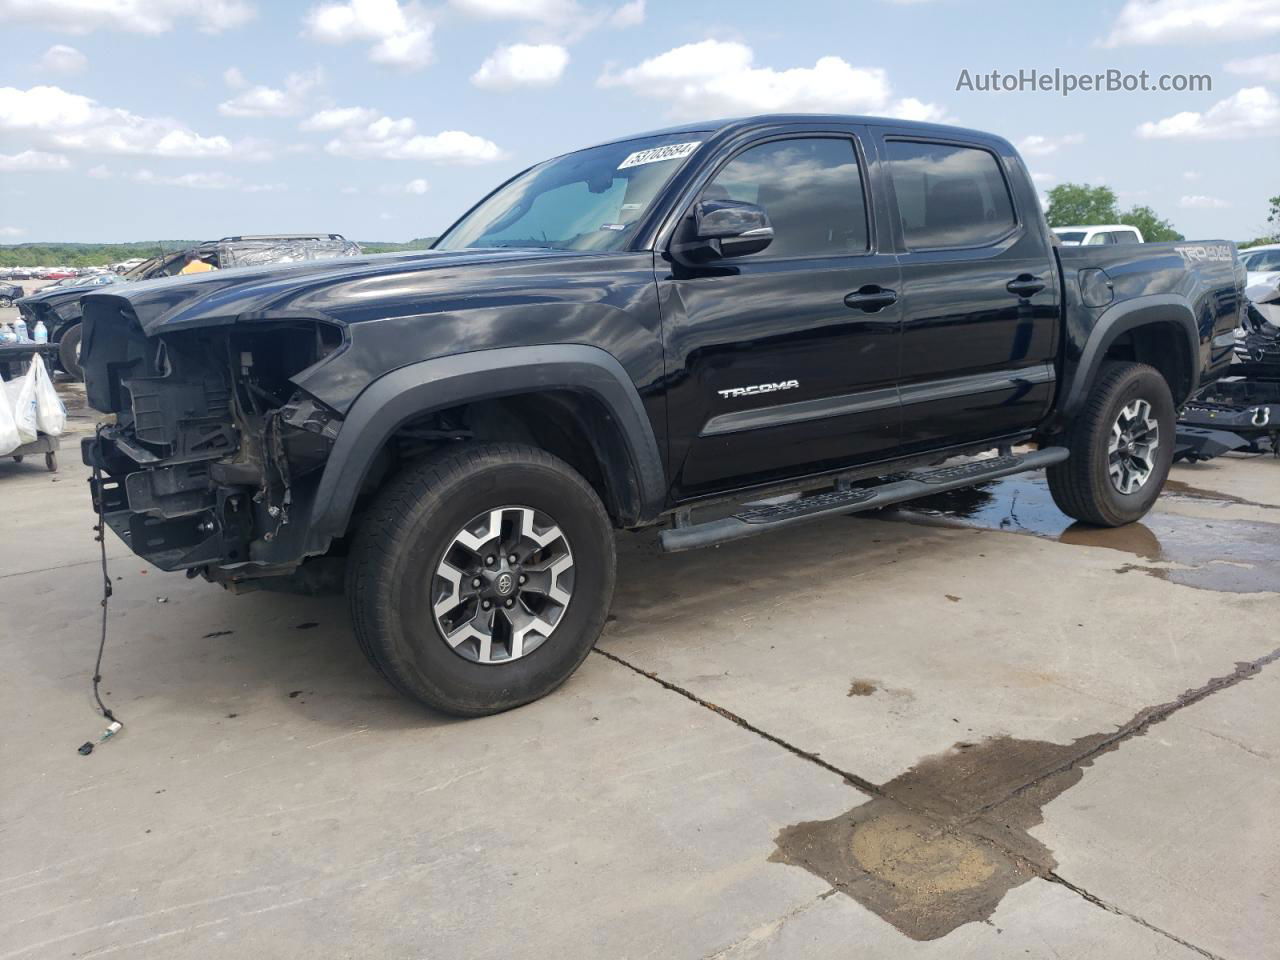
980	290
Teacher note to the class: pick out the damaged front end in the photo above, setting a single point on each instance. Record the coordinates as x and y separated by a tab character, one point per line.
214	457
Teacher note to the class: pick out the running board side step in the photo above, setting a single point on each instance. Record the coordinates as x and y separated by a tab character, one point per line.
750	521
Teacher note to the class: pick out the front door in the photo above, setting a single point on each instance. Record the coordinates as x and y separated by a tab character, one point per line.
785	361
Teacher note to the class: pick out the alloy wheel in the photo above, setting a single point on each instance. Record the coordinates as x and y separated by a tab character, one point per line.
503	584
1131	454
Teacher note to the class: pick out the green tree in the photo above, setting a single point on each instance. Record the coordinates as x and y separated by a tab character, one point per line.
1153	229
1073	204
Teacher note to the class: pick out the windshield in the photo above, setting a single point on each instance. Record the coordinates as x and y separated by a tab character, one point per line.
589	200
1073	236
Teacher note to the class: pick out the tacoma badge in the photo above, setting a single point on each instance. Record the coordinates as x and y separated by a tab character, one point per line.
758	388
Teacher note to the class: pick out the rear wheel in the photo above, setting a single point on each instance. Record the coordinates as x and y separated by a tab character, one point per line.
481	578
69	352
1121	447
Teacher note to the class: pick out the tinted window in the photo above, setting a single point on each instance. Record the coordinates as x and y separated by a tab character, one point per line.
1074	236
1098	239
1262	260
811	189
949	196
1124	236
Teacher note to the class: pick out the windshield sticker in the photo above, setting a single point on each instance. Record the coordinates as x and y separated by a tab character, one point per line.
672	151
613	226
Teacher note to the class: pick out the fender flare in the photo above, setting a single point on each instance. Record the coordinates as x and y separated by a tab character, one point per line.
1118	320
410	391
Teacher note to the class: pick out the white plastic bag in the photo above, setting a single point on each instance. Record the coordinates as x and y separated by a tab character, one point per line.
9	439
51	415
22	397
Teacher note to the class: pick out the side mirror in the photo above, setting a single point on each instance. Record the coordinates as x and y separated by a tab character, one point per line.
725	228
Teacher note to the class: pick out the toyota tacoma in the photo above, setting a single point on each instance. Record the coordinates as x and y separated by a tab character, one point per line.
848	309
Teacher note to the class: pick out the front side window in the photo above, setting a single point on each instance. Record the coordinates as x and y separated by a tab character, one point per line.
1100	239
593	199
1124	236
1072	237
811	188
949	196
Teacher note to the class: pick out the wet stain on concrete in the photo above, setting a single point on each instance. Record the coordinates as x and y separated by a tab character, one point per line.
940	845
1232	556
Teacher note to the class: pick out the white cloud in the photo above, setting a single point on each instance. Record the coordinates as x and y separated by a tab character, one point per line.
337	118
234	78
522	65
263	101
1043	179
401	34
628	15
1265	68
133	16
390	139
100	172
1149	22
350	190
1251	112
61	58
539	11
417	187
1037	145
32	161
1190	175
11	231
206	180
717	77
69	121
1199	202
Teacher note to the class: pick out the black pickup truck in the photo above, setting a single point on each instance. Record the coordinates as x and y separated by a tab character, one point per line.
668	328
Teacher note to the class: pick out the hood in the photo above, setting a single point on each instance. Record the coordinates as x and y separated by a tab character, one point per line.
343	290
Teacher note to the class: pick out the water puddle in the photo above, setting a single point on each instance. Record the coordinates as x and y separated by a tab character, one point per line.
1232	556
940	845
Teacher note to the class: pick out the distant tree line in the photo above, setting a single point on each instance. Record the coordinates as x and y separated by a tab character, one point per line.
100	254
1078	204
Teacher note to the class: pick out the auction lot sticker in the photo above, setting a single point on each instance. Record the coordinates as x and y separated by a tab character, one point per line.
672	151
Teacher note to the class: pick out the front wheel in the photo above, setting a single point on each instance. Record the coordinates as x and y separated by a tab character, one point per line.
481	577
1121	446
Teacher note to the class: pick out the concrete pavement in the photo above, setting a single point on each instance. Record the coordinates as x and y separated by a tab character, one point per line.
1027	740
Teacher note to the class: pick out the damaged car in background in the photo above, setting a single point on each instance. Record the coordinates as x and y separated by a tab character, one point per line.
59	308
1242	410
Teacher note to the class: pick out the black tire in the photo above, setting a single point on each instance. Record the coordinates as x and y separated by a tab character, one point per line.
402	539
6	301
69	352
1082	486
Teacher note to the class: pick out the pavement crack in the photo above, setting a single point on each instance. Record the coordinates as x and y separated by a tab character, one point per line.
941	844
1097	901
1141	722
852	778
768	931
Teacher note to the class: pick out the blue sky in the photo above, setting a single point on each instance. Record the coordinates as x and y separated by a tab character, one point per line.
144	119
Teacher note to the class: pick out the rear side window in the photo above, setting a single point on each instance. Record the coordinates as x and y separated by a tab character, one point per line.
1100	238
949	196
1124	236
810	187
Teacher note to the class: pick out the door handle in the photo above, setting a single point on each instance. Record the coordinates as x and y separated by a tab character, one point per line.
871	298
1025	285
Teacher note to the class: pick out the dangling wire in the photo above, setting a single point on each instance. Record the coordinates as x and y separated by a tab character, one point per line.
101	530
